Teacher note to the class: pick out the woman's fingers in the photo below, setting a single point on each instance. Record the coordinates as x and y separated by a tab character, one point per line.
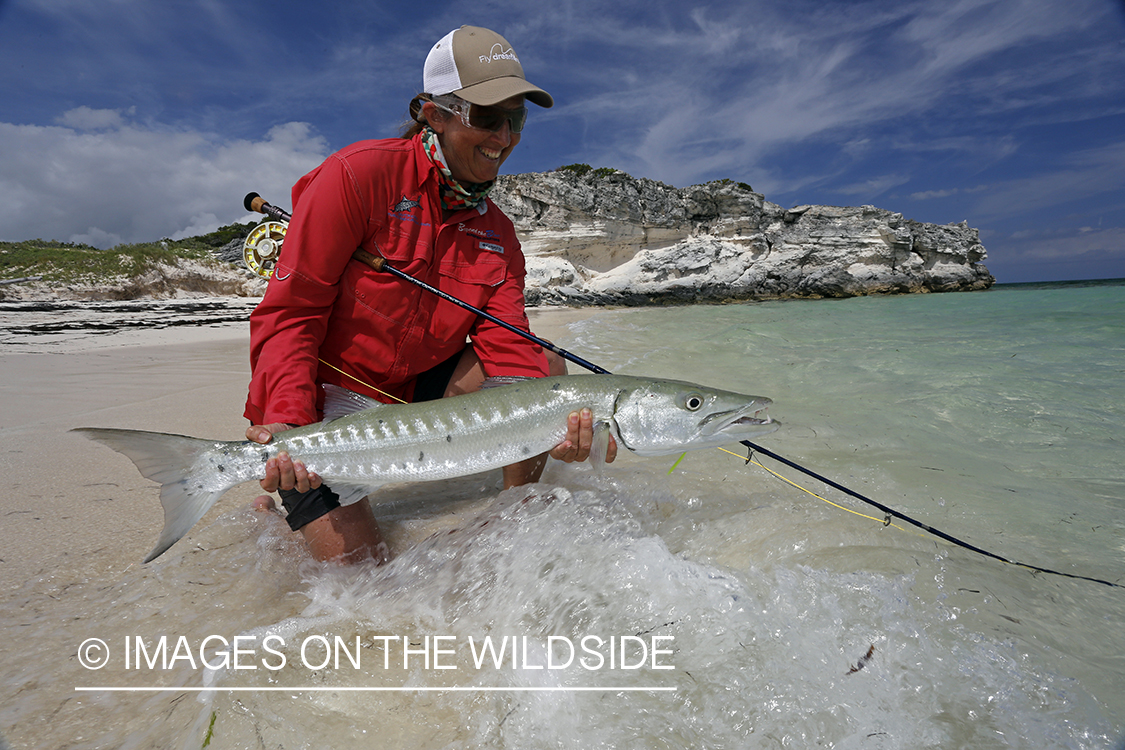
580	438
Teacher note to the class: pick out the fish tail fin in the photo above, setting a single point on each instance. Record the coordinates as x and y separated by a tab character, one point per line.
173	461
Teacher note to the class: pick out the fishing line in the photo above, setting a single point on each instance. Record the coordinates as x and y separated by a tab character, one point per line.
891	512
361	382
751	460
254	202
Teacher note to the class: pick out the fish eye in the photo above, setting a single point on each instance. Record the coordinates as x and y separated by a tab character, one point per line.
693	402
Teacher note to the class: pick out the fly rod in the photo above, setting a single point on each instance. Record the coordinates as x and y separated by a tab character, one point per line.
254	202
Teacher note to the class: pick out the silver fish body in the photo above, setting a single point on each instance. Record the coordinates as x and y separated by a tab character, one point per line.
441	439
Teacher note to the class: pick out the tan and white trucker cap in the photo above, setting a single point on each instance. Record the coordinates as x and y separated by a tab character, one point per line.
479	66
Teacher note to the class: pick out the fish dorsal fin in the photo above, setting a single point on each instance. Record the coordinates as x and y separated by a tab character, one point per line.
340	402
503	380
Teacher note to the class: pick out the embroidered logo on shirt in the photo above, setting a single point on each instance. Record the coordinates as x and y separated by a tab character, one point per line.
491	246
405	205
490	233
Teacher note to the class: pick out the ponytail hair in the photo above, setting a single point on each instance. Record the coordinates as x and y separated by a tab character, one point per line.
415	123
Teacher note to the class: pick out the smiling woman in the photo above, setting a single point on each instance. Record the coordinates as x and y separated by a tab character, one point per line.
476	139
421	203
472	113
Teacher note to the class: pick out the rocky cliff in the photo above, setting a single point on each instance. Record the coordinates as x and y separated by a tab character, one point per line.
602	237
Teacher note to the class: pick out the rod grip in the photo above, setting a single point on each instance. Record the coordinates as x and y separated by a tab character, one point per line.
255	202
370	259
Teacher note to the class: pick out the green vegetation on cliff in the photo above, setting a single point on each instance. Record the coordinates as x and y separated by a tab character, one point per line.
73	263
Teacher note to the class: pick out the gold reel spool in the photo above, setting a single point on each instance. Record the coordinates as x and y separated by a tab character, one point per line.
263	246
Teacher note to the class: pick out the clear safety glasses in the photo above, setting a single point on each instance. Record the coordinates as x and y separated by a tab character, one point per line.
482	117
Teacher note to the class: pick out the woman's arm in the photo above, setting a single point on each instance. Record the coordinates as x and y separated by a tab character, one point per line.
289	325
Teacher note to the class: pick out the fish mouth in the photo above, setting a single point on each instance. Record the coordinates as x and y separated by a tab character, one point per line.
738	420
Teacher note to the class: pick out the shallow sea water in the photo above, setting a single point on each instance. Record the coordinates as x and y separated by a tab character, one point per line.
789	623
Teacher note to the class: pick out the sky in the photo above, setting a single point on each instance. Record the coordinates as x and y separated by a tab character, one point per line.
133	120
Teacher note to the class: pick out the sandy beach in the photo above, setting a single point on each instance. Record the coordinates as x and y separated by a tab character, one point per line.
79	517
76	509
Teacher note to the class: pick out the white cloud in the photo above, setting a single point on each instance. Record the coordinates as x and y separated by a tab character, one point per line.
1052	245
95	237
127	183
201	224
1072	177
926	195
875	186
85	118
727	96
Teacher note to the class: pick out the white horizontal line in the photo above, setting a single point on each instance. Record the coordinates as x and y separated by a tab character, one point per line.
461	689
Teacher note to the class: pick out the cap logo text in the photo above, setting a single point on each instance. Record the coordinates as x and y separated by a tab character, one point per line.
497	53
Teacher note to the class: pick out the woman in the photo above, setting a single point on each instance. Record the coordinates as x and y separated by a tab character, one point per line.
419	201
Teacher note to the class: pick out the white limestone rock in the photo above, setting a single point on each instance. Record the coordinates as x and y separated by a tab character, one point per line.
611	239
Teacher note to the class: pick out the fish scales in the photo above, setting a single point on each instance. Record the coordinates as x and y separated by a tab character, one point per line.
442	439
395	455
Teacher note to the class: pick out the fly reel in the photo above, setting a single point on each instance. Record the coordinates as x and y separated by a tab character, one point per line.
263	246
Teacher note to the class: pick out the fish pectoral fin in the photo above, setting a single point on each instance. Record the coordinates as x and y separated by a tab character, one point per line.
602	431
500	381
340	402
350	493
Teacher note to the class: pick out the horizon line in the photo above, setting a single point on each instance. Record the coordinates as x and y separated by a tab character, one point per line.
353	689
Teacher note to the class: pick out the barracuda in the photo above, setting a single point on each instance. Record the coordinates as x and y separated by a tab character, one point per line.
384	444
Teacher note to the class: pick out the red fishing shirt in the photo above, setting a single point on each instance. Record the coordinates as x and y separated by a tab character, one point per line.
321	304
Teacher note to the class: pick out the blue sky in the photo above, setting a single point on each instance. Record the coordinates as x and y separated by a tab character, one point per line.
130	120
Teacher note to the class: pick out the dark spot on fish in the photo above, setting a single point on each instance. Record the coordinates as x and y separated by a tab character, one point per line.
265	456
525	450
449	438
222	468
555	387
862	661
421	456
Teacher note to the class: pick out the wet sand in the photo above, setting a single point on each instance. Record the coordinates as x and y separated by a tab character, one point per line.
75	510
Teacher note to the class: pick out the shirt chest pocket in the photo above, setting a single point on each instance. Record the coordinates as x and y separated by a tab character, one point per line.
474	270
403	245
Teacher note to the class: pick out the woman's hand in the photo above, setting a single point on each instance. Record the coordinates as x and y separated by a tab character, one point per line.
575	447
282	472
580	438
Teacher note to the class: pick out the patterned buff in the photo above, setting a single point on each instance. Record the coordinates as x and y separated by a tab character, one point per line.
454	195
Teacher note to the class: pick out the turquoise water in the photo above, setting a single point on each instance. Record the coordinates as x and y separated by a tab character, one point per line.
1003	408
791	623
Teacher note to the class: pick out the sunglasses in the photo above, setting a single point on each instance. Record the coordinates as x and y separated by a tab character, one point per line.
485	118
